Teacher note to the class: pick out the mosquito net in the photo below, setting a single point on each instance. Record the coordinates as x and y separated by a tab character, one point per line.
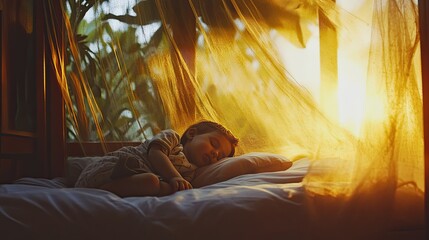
338	82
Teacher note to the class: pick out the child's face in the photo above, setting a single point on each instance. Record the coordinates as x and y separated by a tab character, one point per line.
207	148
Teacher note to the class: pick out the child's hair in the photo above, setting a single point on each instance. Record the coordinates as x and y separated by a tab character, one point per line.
209	126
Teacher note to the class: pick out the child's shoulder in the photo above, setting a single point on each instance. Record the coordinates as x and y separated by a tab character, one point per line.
166	134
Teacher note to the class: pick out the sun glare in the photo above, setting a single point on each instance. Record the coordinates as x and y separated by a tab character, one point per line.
305	67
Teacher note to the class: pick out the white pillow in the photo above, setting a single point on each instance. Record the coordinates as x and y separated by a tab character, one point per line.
255	162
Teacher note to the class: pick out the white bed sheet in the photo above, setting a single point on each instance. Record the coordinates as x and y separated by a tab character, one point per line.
253	206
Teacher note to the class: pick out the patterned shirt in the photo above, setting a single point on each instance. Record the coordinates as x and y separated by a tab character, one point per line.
131	160
169	141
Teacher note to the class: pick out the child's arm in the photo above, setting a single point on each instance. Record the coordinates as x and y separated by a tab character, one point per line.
163	166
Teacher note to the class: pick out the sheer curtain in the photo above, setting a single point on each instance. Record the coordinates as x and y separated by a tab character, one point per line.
336	82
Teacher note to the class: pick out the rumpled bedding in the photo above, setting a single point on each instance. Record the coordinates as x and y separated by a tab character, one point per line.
251	206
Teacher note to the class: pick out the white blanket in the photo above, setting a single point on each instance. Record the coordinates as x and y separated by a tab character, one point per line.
253	206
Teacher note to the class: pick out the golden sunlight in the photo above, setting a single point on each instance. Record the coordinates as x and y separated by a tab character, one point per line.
303	64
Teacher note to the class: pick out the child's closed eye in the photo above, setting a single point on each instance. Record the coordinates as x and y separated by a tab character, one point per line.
215	143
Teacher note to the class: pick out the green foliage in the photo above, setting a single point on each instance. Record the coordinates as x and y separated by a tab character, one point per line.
112	63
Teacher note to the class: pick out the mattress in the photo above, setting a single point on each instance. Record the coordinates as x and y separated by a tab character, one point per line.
252	206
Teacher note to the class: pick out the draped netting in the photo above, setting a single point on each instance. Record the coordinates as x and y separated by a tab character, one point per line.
336	82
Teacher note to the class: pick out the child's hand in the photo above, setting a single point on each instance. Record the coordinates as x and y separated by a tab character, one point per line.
179	184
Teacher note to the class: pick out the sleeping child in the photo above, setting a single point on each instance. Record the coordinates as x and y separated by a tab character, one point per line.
162	165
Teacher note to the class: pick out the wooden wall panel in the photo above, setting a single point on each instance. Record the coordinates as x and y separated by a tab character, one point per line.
38	150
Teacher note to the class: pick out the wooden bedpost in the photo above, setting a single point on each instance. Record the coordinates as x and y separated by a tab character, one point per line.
56	137
424	40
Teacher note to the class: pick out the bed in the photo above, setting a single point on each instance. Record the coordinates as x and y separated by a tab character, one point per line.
265	204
